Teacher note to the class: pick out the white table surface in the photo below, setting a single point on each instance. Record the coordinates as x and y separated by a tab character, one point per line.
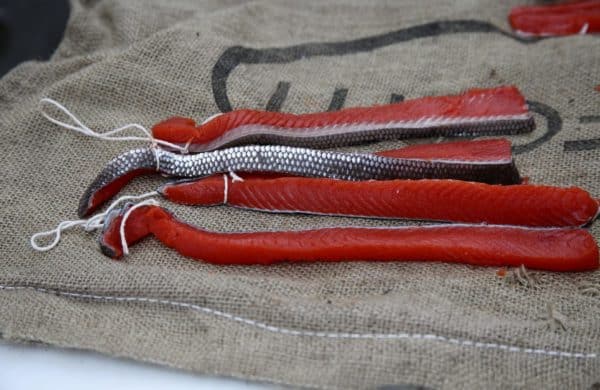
26	367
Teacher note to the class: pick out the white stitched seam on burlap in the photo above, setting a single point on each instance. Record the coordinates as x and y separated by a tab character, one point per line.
292	332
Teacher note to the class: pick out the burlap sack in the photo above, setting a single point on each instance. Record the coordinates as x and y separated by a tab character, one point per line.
315	325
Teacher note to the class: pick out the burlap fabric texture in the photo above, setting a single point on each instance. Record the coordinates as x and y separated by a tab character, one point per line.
347	325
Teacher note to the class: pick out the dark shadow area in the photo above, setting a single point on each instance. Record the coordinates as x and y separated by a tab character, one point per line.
30	30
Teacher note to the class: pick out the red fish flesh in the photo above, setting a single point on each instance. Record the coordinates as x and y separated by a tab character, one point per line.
441	200
494	111
552	249
570	18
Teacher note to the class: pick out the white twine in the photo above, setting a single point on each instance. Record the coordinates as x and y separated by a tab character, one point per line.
91	224
157	153
234	178
210	118
111	135
225	188
147	202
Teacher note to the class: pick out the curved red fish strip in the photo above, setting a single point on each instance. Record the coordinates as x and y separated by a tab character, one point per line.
494	111
577	17
546	249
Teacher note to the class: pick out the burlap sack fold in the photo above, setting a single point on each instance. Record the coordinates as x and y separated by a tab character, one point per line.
315	325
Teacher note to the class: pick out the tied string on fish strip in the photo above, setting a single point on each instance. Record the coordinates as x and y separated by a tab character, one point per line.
115	134
234	178
98	220
95	222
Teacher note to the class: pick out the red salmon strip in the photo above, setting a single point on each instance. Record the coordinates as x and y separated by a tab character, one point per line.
441	200
578	17
494	111
546	249
498	149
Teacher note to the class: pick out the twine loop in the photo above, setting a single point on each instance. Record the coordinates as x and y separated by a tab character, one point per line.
91	224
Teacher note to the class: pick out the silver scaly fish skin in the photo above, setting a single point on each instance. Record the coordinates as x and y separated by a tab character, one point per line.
295	161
